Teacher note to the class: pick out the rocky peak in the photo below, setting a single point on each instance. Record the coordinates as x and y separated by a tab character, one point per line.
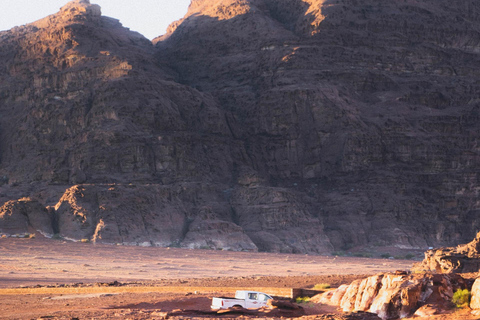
84	7
74	11
293	15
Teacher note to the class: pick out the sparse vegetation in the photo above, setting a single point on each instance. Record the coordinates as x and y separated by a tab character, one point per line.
302	300
362	255
409	256
385	255
322	286
461	298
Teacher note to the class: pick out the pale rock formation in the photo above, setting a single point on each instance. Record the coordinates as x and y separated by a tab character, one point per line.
475	297
462	258
393	296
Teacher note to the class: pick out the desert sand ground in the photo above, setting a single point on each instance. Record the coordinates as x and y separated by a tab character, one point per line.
55	279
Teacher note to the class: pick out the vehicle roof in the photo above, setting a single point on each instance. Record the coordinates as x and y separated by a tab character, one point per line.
250	291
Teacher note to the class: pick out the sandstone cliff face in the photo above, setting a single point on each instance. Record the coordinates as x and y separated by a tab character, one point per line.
82	101
288	126
369	109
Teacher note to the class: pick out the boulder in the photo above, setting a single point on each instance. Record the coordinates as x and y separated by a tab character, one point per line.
392	296
25	216
462	258
475	296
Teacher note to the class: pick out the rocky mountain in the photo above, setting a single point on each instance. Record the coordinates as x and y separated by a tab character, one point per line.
272	125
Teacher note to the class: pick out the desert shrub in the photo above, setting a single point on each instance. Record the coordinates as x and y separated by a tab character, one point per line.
302	300
362	255
461	298
322	286
409	256
339	253
385	255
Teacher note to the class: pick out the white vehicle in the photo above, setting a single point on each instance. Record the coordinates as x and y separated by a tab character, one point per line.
244	299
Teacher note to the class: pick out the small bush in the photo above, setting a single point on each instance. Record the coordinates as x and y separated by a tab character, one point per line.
385	255
461	298
362	255
302	300
322	286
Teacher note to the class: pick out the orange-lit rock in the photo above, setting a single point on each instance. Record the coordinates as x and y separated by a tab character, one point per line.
393	296
462	258
475	300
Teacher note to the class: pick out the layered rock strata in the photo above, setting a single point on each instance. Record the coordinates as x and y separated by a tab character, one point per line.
287	126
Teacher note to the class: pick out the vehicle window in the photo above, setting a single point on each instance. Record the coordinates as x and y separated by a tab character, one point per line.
252	296
264	297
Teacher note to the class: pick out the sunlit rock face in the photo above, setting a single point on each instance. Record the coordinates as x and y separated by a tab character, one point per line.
460	259
286	126
396	296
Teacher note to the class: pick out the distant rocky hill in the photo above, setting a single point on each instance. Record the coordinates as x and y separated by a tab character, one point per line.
274	125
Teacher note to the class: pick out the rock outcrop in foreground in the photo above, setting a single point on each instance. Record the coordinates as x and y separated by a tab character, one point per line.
272	125
462	258
393	296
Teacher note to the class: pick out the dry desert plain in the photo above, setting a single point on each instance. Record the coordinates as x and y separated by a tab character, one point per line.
55	279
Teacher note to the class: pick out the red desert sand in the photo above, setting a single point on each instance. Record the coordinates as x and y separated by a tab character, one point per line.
55	279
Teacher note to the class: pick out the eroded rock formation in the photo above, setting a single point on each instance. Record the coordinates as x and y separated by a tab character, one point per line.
287	126
393	296
25	216
462	258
